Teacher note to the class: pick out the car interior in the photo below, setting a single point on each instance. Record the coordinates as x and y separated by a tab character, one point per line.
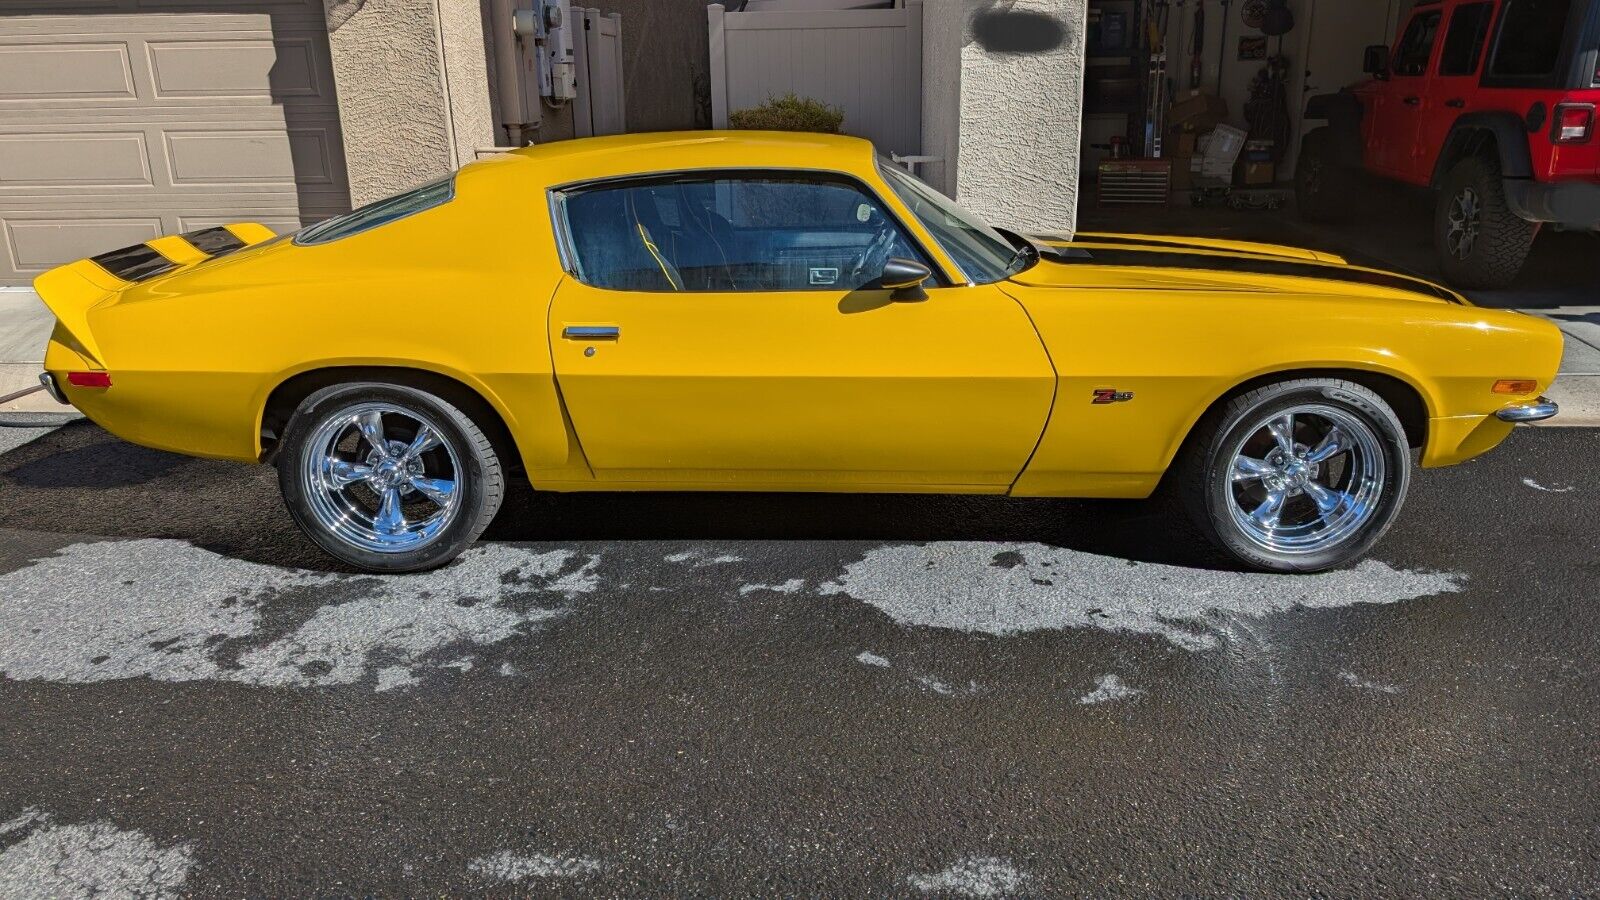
769	234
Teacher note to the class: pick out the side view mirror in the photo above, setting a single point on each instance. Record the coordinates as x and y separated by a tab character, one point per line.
1375	61
904	277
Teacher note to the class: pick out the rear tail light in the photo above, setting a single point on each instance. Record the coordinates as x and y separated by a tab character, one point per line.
89	379
1515	386
1572	123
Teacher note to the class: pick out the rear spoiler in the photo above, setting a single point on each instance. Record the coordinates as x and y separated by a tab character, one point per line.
70	291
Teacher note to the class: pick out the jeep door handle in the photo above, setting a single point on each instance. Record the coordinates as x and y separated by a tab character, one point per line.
591	332
1455	103
1411	101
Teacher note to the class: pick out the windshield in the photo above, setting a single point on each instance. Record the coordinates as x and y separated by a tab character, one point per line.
983	254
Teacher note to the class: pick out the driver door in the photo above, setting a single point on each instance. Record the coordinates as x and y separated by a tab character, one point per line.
1396	114
725	331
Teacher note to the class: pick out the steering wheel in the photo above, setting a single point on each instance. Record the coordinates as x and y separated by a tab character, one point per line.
876	253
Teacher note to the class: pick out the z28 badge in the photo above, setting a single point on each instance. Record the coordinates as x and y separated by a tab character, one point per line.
1111	395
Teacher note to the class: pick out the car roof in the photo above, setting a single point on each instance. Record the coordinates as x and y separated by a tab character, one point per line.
583	159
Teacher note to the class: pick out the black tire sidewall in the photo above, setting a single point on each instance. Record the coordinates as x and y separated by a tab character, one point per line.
1503	239
1327	201
475	458
1215	473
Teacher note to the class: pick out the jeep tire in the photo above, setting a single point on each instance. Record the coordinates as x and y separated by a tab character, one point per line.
1480	242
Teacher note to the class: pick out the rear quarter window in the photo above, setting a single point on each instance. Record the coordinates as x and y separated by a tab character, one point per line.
1530	38
382	212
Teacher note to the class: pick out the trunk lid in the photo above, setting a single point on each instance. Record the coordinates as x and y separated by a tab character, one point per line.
71	291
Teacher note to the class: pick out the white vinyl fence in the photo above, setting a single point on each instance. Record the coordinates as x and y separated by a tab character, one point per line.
867	62
600	107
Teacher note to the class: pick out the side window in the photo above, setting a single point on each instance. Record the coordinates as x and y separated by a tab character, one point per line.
1530	38
757	233
1411	57
1463	40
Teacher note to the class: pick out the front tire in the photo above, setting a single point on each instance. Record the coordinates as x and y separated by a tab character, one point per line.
388	478
1480	242
1298	476
1322	187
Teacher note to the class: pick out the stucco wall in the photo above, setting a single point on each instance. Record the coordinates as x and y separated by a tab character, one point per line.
944	25
395	65
1021	113
466	76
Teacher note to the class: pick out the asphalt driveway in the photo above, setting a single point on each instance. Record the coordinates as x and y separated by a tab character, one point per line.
806	695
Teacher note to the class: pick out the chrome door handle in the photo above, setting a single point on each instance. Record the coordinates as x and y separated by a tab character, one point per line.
591	332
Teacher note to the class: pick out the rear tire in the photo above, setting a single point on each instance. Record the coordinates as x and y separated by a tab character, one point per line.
388	478
1322	187
1334	496
1480	242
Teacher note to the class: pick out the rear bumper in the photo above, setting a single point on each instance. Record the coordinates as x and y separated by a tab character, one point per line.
1571	204
52	388
1535	411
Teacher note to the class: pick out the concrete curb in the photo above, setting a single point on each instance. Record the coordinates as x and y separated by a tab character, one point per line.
20	376
1579	399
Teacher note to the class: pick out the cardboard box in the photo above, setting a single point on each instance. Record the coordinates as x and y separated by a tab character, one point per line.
1257	173
1196	111
1222	148
1179	143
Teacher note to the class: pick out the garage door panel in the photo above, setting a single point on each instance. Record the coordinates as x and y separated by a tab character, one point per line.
74	159
118	125
243	157
83	71
243	67
280	224
35	244
70	7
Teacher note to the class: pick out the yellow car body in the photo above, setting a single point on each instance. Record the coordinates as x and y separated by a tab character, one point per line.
986	388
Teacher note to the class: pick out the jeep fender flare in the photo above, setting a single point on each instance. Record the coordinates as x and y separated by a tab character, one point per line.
1342	111
1477	132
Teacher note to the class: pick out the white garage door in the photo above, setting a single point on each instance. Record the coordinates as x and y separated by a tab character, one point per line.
121	120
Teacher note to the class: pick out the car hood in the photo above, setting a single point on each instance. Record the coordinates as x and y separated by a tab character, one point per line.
1132	261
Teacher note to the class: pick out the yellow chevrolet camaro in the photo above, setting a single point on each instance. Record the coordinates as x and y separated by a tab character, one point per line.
774	312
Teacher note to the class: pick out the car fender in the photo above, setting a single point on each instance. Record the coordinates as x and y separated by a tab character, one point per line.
1343	112
1499	131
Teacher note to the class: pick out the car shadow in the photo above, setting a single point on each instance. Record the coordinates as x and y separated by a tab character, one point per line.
79	480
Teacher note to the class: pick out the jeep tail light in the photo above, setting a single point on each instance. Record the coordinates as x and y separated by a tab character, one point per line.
1572	123
89	379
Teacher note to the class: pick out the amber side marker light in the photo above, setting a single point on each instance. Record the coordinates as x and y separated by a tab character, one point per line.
1515	386
103	379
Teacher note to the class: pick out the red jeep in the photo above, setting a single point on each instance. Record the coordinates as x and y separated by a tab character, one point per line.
1489	102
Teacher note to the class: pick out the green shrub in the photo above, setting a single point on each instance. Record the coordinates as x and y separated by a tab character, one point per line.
789	113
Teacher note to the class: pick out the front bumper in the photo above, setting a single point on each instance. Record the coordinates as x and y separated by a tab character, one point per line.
1537	411
1571	204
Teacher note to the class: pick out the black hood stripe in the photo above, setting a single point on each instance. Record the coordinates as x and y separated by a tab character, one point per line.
1255	265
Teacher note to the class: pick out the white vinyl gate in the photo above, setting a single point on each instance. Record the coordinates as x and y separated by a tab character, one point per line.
597	50
867	62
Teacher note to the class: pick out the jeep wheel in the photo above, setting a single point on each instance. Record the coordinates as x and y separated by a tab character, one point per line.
1481	243
1321	186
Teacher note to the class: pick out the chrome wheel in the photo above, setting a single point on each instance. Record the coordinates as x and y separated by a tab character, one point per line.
1463	218
381	478
1306	479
